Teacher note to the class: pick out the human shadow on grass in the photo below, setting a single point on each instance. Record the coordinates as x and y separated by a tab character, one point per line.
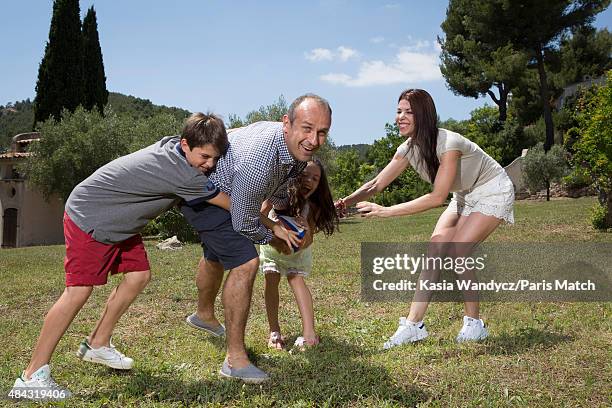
352	220
200	335
524	339
329	373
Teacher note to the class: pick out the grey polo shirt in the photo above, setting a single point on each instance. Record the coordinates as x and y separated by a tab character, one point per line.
120	198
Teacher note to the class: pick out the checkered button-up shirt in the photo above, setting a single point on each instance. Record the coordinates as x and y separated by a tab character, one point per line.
256	167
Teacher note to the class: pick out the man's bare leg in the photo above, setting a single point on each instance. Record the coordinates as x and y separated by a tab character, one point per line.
208	282
237	293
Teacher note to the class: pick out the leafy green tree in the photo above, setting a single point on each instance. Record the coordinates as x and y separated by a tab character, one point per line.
409	184
60	74
477	62
15	118
361	148
73	148
272	113
137	108
525	27
148	130
459	126
584	54
172	223
541	168
502	141
536	27
345	178
96	94
593	148
275	113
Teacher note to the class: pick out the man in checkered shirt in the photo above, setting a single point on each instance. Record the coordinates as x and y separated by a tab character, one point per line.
261	159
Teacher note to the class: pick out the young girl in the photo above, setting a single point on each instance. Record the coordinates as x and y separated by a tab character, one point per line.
312	206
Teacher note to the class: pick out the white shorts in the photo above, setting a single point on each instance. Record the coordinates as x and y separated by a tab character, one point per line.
495	198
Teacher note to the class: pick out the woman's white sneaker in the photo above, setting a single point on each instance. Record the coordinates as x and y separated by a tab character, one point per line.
407	332
472	330
109	356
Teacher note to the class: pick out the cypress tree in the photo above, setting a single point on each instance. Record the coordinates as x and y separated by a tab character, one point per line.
60	73
95	94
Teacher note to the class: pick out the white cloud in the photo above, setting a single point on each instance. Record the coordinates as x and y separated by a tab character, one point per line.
342	53
336	78
407	67
417	45
377	40
392	6
319	54
345	53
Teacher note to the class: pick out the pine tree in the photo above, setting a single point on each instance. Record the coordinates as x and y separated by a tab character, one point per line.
60	74
95	94
529	28
476	63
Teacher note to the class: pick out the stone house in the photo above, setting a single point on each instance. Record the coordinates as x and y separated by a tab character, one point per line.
26	218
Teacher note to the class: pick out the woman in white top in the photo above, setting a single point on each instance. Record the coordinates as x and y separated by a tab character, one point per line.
483	197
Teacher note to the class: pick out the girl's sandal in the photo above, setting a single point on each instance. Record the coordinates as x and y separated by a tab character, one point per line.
301	344
276	341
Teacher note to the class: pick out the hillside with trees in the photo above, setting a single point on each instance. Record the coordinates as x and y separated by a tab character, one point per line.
17	117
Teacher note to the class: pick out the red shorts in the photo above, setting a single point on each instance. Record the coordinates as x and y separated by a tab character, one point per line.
88	261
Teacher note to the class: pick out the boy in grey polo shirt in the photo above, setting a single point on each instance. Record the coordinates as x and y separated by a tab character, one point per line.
104	216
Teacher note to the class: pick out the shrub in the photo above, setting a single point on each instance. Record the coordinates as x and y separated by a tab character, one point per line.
598	217
593	147
173	223
541	168
577	178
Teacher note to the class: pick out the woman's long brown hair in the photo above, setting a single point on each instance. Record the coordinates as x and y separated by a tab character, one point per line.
425	136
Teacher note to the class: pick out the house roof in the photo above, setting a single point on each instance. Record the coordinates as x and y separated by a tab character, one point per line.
13	155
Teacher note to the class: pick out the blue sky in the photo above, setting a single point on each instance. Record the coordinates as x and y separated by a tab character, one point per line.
232	57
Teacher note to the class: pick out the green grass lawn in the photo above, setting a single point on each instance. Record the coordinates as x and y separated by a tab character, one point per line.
538	354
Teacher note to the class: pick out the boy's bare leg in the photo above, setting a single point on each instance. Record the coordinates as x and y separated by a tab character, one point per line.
237	293
119	300
56	322
208	282
303	297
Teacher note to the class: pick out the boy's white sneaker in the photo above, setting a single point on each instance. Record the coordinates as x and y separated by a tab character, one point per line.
40	386
109	356
407	332
472	330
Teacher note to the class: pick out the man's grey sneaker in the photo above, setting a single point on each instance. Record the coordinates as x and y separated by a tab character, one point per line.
472	330
249	374
194	321
407	332
109	356
39	387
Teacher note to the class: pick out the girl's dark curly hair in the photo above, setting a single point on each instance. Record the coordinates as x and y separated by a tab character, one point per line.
322	211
